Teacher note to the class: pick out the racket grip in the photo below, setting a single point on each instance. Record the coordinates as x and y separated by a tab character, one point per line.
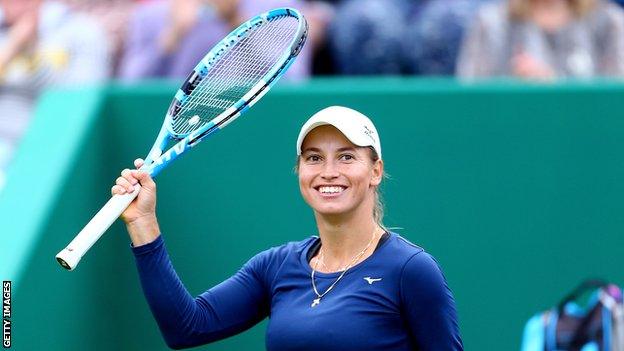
69	257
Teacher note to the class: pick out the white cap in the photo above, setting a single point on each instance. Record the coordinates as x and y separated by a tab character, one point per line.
354	125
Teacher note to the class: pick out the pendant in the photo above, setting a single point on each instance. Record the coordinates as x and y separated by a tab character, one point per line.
316	302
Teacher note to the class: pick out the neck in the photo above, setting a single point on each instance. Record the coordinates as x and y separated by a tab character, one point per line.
344	237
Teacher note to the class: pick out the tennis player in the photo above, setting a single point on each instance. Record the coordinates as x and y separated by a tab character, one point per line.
355	286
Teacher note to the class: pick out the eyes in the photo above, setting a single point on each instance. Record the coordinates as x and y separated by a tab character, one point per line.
316	158
346	157
313	158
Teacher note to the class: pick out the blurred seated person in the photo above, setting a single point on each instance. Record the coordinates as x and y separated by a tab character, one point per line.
367	36
113	16
545	40
434	35
42	44
167	38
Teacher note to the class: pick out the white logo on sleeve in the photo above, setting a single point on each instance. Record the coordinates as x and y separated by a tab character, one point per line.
371	280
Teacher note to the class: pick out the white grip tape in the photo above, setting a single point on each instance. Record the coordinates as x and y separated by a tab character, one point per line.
97	226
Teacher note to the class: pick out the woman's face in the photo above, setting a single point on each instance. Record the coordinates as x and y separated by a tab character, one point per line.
335	176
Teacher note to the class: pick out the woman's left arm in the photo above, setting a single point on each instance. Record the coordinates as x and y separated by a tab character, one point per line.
428	305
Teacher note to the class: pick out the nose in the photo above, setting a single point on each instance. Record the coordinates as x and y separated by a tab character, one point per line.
329	171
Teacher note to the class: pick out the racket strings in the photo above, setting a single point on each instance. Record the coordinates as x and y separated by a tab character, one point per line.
255	60
234	74
242	67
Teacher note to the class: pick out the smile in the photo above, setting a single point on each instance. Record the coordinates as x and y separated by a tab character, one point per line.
331	190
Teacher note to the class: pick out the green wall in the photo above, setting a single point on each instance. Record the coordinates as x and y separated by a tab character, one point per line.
516	190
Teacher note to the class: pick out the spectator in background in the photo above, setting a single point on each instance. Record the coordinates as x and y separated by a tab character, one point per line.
42	44
366	37
434	35
167	38
393	37
544	40
113	16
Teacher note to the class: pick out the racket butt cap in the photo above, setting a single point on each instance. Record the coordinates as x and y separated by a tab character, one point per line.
67	259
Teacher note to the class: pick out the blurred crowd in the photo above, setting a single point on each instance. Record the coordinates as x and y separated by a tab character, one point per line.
51	43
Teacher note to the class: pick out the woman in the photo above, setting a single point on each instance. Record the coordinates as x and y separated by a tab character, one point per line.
544	40
356	286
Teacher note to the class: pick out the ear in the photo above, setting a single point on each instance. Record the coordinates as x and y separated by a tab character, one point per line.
377	173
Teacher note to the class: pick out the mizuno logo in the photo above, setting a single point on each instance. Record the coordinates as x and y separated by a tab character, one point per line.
371	280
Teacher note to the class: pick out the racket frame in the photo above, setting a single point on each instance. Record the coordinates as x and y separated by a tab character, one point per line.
156	160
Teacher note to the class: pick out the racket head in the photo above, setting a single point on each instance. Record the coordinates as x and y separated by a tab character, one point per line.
236	73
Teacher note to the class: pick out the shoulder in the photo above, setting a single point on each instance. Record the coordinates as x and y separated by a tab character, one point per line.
414	257
281	253
419	269
289	247
422	267
402	248
409	257
267	265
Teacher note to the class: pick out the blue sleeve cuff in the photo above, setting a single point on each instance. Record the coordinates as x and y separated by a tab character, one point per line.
148	248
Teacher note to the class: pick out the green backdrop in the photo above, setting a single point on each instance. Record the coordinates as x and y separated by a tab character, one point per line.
516	190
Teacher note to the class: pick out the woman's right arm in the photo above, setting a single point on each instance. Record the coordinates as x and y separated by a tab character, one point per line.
140	216
226	309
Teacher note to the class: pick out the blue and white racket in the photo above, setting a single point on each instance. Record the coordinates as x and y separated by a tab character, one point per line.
234	75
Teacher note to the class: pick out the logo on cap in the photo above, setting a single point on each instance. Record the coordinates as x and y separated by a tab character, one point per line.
369	133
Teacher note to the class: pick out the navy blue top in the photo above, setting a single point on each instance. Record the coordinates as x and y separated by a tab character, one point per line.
396	299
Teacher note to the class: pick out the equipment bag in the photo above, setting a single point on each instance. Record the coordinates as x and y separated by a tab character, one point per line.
597	326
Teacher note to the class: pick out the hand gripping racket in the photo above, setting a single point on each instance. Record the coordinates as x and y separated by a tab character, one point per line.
235	74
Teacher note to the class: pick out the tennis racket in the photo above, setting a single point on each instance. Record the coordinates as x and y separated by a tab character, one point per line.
234	75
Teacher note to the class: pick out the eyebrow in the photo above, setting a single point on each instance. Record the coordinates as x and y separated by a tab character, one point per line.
348	148
310	149
315	149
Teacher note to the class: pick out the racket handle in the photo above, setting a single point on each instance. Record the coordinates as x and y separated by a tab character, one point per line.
69	257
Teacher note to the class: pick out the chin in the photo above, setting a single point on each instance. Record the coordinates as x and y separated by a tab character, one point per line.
331	210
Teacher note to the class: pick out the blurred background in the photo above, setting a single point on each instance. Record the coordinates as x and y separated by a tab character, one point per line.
502	120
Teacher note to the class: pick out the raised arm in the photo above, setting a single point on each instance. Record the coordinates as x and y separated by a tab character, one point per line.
229	308
226	309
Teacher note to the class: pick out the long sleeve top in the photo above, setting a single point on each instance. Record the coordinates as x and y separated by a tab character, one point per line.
396	299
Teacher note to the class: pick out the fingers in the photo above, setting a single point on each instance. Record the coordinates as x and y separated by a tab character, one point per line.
144	179
130	177
118	190
126	182
138	163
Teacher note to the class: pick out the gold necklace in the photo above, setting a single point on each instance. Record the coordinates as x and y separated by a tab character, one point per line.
319	296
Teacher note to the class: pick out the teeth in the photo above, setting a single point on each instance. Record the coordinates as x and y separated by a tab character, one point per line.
330	189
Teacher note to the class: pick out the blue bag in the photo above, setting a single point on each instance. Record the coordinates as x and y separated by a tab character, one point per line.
597	326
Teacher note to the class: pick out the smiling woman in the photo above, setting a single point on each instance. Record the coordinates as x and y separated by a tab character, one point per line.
355	286
333	172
